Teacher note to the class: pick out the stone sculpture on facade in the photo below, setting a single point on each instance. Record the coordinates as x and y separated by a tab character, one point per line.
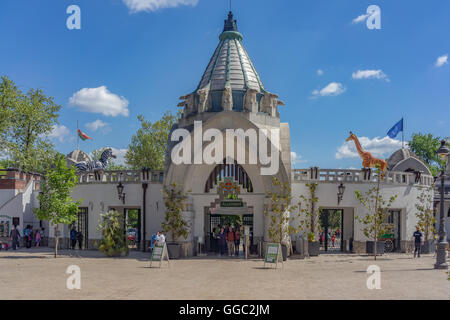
250	102
203	100
227	99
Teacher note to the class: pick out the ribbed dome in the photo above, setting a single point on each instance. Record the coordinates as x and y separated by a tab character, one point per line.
230	65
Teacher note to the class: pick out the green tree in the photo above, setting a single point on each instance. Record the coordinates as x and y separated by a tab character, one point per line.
148	146
425	146
56	204
112	165
8	99
378	211
114	242
174	200
307	207
425	213
281	213
30	118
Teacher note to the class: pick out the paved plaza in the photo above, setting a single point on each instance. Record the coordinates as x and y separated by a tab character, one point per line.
35	274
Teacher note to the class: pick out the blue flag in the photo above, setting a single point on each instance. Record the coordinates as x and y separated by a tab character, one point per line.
395	129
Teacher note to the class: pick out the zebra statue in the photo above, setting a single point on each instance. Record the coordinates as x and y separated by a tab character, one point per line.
95	165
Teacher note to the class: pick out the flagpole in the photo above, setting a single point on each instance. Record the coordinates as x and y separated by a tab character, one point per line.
78	138
403	133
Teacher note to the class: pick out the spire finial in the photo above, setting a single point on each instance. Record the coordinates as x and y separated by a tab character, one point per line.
230	23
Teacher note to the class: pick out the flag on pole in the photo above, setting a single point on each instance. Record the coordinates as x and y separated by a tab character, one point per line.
83	136
395	129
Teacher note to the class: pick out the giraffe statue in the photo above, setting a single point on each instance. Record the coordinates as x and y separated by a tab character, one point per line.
369	161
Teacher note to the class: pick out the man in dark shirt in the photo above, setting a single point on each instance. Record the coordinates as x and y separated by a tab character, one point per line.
417	241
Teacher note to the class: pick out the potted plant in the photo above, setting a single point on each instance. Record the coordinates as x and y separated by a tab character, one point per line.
280	212
311	222
174	224
374	221
426	219
114	242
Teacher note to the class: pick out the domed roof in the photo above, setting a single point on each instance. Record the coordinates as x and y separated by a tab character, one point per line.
78	156
230	65
406	160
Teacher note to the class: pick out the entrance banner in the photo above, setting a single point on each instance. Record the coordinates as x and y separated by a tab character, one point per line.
273	254
158	254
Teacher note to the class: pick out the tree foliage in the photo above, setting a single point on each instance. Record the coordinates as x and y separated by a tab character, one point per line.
114	242
56	204
26	121
281	212
148	146
425	146
425	213
174	200
378	211
307	207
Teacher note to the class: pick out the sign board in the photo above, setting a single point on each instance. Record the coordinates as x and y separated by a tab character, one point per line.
273	254
231	204
158	254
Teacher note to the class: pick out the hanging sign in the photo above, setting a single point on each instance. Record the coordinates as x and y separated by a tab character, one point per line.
158	254
273	254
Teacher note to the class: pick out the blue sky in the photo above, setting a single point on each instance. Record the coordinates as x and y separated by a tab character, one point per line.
142	58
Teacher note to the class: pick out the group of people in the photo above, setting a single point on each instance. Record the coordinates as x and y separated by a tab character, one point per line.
226	240
76	236
29	235
331	237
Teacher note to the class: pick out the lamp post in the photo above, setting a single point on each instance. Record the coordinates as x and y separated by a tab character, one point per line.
443	151
120	187
341	190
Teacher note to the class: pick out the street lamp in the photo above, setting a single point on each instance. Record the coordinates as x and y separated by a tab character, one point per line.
120	192
443	151
341	190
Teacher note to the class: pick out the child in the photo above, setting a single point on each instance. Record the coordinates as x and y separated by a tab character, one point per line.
38	239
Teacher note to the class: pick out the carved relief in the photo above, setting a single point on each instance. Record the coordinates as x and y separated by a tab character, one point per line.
188	104
227	99
203	100
250	102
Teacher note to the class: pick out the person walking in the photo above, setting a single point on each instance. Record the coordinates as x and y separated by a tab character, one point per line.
417	241
230	241
15	237
237	240
38	238
222	240
333	239
80	239
73	238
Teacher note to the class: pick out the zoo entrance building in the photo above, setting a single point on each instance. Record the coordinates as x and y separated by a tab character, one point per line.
231	95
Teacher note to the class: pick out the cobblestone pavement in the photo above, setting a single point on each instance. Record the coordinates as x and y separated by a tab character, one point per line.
35	274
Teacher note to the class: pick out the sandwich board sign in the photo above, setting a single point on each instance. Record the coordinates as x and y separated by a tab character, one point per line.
273	254
158	254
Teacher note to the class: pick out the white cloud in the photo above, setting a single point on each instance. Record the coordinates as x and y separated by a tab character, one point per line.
154	5
59	132
360	18
332	89
370	74
120	154
296	158
97	124
378	147
442	60
319	72
100	100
